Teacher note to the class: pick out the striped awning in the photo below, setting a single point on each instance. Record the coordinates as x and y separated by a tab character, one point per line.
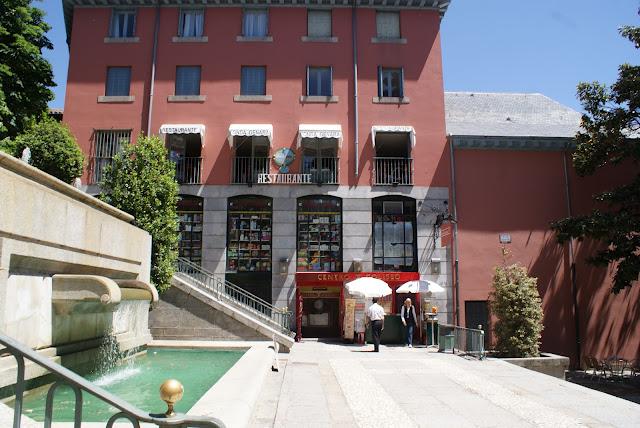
250	130
319	131
396	129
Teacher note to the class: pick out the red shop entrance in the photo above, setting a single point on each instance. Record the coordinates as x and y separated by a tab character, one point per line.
320	299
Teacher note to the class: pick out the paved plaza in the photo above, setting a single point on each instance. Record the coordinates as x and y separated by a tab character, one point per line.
323	385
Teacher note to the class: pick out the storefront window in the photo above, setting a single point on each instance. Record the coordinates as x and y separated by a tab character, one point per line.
190	228
394	234
319	234
249	234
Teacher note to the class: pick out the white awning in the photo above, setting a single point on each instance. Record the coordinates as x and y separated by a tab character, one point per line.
250	130
319	131
395	129
183	129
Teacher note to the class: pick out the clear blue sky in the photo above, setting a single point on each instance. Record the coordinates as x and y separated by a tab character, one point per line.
545	46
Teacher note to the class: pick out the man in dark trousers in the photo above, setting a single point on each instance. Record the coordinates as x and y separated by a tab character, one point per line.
375	314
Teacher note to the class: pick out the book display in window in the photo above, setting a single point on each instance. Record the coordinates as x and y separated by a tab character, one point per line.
190	236
249	248
319	237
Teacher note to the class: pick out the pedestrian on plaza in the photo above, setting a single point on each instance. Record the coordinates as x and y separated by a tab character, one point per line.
375	315
409	320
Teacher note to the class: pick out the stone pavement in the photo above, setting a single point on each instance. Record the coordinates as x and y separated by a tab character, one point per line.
335	385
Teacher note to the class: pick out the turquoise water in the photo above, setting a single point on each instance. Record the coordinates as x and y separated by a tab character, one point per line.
138	381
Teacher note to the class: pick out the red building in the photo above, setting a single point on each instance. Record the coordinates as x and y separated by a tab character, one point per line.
308	139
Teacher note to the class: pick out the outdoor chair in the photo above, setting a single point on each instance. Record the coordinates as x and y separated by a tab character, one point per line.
616	366
592	363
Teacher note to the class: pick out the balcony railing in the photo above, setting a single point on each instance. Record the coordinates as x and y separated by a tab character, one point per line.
247	169
322	170
188	170
393	171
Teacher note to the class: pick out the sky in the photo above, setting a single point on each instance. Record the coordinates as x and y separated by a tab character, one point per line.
544	46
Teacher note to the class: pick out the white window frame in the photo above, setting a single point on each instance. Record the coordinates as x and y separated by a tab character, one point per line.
130	14
309	67
381	81
191	11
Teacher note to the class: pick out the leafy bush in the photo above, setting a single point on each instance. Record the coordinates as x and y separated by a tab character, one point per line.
516	304
54	149
141	182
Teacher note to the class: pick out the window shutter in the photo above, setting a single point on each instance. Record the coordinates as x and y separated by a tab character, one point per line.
388	25
187	80
118	81
379	81
401	82
308	78
331	81
319	23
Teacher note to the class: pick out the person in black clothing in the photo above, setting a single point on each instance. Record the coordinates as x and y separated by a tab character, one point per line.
409	320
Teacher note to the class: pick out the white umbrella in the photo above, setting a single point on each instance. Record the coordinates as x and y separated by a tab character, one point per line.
368	287
419	286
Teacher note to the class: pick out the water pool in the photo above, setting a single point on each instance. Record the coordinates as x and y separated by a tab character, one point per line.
138	381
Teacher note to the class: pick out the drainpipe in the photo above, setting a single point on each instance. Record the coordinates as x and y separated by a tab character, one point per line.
153	66
454	212
572	260
354	42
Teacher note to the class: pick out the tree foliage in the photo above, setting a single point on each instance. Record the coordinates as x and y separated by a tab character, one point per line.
25	75
53	148
610	137
515	302
141	182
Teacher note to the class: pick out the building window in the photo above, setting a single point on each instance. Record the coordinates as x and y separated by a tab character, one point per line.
185	151
190	228
390	82
106	144
253	80
188	80
388	25
319	234
319	81
118	81
394	234
251	159
249	234
255	23
122	23
320	159
191	23
319	23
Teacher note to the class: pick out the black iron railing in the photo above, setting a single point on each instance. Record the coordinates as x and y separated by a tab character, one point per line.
247	169
322	170
393	171
188	170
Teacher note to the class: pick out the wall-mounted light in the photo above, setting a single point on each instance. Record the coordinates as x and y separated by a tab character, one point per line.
435	266
284	265
357	264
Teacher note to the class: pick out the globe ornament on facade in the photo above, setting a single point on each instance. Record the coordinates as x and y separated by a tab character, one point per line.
171	392
283	158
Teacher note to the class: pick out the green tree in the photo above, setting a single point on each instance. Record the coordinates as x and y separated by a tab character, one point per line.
515	302
53	148
140	181
610	137
25	76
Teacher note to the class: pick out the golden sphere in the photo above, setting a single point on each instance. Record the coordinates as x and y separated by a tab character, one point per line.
171	391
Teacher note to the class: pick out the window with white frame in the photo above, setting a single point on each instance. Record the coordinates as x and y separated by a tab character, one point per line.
319	23
188	80
390	82
319	81
255	23
118	81
191	23
122	23
253	80
388	25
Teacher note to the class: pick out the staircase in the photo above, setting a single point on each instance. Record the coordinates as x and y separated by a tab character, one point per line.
244	307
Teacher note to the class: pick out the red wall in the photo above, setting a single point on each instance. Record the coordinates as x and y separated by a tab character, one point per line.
286	59
521	193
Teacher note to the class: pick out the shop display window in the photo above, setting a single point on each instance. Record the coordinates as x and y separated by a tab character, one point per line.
319	234
190	228
394	234
249	234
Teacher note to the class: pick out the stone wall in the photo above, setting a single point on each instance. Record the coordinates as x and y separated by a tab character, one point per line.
181	316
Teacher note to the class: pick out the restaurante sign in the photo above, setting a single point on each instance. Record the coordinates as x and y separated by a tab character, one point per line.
284	178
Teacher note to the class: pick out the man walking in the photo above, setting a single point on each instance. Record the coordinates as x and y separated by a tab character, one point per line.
375	314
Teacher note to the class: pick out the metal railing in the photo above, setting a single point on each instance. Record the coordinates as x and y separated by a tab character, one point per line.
188	170
98	165
278	319
469	341
247	169
79	385
392	171
323	170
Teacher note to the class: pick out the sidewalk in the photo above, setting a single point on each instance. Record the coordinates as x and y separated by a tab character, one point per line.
334	385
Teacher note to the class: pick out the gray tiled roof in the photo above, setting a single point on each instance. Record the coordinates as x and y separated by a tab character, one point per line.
508	115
